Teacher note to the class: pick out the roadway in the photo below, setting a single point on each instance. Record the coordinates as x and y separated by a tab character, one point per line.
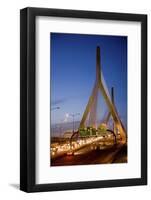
91	155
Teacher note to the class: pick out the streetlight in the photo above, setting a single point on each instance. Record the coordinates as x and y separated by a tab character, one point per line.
73	115
59	128
55	108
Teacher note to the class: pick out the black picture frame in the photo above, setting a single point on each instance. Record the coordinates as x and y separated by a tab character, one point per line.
28	99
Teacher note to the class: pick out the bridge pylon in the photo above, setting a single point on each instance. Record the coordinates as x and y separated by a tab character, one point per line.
91	108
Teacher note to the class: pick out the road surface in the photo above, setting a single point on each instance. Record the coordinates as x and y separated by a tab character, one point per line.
85	156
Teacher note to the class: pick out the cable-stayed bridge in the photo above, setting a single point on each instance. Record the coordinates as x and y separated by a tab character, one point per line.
99	128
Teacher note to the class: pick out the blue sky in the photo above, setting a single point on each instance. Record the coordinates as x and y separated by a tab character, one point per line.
73	68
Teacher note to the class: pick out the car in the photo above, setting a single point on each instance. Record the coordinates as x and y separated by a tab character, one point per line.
70	153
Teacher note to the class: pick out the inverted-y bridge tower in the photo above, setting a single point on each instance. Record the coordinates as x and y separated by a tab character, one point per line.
91	108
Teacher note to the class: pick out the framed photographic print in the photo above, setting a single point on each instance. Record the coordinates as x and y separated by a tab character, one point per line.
83	99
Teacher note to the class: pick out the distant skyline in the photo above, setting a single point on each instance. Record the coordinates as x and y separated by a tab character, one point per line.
73	72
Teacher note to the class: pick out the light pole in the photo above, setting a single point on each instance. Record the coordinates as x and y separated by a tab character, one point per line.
73	116
59	129
55	108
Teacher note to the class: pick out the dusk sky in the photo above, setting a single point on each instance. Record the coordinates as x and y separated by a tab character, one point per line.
73	71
